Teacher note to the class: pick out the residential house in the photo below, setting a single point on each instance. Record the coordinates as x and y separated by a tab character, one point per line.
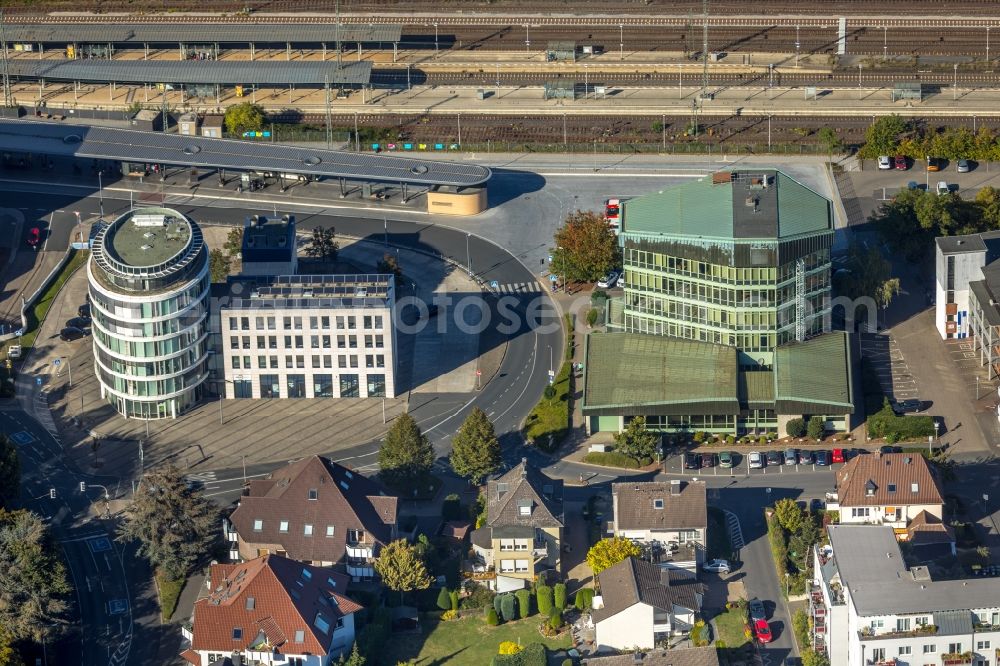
887	489
670	518
315	511
641	605
272	610
871	609
701	656
522	535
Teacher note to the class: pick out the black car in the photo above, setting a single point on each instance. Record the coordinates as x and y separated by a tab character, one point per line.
774	458
708	460
84	310
79	322
885	448
71	333
823	458
691	461
756	610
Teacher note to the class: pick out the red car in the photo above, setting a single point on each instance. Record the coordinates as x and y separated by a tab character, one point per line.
838	456
762	630
34	236
900	163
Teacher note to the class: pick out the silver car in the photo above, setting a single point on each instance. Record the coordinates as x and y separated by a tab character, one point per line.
964	166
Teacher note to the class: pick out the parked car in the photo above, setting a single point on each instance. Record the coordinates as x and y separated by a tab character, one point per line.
83	310
708	460
909	406
726	459
34	236
79	322
816	504
754	460
823	457
691	461
942	187
913	185
791	456
805	457
884	162
838	456
964	166
933	164
762	631
718	566
756	610
885	448
608	281
71	333
900	163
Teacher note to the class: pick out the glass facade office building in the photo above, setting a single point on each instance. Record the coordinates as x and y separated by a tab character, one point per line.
149	294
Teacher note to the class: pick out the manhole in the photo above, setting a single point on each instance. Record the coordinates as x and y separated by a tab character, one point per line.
312	160
72	138
192	149
418	169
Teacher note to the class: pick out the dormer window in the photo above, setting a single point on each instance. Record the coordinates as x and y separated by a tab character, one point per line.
237	633
914	488
658	504
313	494
251	603
258	524
891	487
870	488
524	507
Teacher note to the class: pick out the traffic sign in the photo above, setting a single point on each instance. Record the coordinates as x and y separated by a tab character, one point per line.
479	373
57	363
38	380
553	278
494	284
19	332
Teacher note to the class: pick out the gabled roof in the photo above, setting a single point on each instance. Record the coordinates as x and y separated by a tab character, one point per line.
633	581
887	479
658	505
926	529
344	499
524	486
701	656
267	602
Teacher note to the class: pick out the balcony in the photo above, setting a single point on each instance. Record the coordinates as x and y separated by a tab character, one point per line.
955	658
926	630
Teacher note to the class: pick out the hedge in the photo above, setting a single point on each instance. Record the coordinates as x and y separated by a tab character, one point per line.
615	459
584	598
374	636
885	424
570	337
534	654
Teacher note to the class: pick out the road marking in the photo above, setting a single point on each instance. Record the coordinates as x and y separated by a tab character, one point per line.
99	544
117	606
23	438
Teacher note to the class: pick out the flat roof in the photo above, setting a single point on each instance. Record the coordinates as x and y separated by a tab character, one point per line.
235	72
138	146
149	237
308	291
190	33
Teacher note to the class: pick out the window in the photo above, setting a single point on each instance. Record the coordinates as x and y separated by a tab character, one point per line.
354	361
300	361
307	529
904	649
321	623
521	566
299	342
313	494
288	342
258	323
296	386
271	323
378	342
273	362
657	504
352	322
246	342
297	661
323	384
313	323
300	635
507	566
283	526
298	323
314	342
289	362
524	508
352	341
234	342
251	602
315	361
261	362
258	525
376	386
342	361
245	323
237	633
272	342
369	341
286	323
506	544
326	342
327	361
325	321
340	322
930	649
270	387
341	341
330	530
914	488
236	362
860	512
349	386
982	645
878	654
955	648
367	321
378	321
902	624
369	360
246	362
234	324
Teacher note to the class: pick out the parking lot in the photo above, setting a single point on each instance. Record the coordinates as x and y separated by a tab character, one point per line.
895	378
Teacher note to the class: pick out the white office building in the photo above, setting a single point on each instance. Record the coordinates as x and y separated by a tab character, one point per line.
149	293
870	609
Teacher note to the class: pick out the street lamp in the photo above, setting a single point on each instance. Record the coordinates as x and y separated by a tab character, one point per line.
954	88
786	584
435	39
621	41
797	43
100	190
885	42
468	255
527	38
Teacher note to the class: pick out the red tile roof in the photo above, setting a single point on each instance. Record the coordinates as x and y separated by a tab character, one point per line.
887	479
191	656
344	499
287	597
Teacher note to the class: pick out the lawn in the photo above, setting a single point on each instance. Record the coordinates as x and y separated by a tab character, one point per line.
729	628
465	641
170	592
549	420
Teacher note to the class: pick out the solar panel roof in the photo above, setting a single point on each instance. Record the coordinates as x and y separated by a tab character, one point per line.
173	33
260	72
155	147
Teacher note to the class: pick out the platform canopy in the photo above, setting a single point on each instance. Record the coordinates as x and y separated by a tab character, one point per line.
221	33
127	145
201	72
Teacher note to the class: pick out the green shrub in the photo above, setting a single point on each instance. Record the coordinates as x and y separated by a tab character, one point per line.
559	596
795	428
549	392
584	598
567	662
555	620
762	441
508	607
800	626
444	599
523	602
730	440
887	425
491	617
453	599
816	428
480	597
543	597
373	636
592	315
570	337
699	437
452	507
498	605
615	459
598	297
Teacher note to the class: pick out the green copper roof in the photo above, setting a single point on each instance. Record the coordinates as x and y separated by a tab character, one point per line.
816	372
738	204
632	370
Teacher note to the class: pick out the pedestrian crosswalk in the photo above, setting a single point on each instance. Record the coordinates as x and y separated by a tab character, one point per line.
517	288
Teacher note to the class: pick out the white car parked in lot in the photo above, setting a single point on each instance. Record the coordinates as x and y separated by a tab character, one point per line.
608	281
718	566
755	460
884	162
942	187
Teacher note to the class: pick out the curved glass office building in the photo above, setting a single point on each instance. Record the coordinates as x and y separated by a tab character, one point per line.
149	296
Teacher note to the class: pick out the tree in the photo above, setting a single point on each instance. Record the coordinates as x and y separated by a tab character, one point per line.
444	599
584	598
813	658
559	596
8	655
789	514
174	524
218	265
543	596
324	245
555	619
401	569
795	428
608	552
245	117
406	453
524	603
884	294
586	248
882	136
355	658
492	619
475	450
33	583
635	441
508	607
453	599
389	264
816	428
10	471
828	137
988	200
234	241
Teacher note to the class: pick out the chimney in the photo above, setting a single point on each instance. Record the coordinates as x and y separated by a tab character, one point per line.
675	486
524	467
